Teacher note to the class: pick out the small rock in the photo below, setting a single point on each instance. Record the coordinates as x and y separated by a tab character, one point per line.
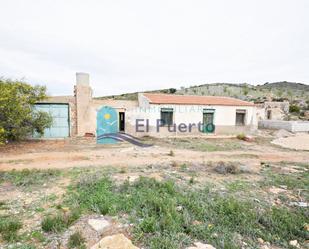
275	190
256	200
246	169
133	178
260	240
65	209
264	247
248	138
196	222
294	243
179	208
299	204
214	235
199	245
116	241
99	224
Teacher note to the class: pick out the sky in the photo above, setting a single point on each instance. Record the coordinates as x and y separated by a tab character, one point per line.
139	45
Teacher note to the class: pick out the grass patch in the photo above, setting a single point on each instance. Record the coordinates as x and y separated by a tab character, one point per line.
9	227
169	216
296	182
28	177
238	185
76	240
291	180
59	222
201	144
38	236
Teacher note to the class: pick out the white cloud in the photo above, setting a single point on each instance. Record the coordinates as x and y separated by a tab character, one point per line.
140	44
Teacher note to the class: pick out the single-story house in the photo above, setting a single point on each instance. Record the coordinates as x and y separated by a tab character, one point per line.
152	114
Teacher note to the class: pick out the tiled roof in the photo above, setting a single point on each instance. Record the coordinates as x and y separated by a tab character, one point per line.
194	100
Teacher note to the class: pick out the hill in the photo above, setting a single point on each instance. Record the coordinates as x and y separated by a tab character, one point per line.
274	91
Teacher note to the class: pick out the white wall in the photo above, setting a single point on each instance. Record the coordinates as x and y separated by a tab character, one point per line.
293	126
224	116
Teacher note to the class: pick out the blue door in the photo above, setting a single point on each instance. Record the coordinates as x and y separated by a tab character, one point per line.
60	114
107	122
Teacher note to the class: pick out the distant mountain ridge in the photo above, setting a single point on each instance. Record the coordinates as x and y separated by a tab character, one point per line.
268	91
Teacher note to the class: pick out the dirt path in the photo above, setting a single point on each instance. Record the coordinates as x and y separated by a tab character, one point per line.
63	154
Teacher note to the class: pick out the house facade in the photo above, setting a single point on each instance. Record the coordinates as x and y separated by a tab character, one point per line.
152	114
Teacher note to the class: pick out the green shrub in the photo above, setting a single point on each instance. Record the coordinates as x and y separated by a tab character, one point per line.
294	109
9	228
60	221
241	136
18	118
53	223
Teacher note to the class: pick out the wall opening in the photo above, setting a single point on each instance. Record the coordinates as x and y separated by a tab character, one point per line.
208	119
240	117
122	121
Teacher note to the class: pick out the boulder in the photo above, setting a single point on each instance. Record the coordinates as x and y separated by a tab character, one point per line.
117	241
199	245
99	224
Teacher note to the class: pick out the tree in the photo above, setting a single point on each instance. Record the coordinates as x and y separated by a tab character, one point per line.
18	118
172	90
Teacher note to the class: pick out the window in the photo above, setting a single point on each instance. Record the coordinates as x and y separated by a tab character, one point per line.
240	117
167	116
268	114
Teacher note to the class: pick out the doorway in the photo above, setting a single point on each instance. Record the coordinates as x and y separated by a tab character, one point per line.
208	120
122	121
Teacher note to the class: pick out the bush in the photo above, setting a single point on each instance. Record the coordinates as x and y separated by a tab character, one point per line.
294	109
18	120
241	136
172	90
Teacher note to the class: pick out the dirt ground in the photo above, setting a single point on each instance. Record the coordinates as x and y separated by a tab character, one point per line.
298	142
185	160
85	152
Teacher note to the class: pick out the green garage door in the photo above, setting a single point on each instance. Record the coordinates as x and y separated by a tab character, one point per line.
60	113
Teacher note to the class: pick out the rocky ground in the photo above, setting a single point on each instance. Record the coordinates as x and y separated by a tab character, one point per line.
48	175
